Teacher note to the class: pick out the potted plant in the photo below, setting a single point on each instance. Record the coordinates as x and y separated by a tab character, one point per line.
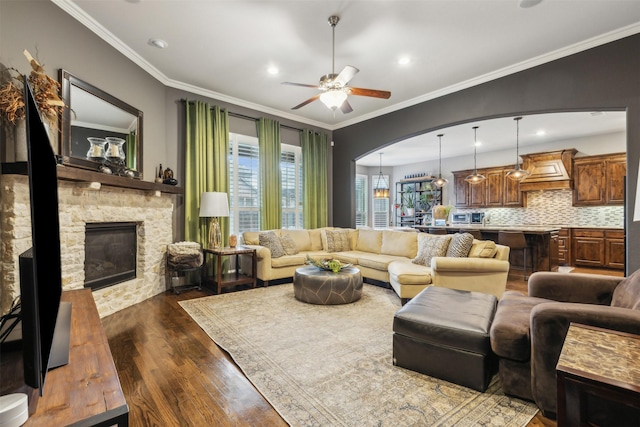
425	201
12	108
408	199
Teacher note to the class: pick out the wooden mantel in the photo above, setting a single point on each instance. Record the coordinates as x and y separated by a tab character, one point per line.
68	173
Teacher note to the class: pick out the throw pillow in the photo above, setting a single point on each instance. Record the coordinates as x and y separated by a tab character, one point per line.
271	241
369	241
337	240
288	245
431	246
483	249
460	245
627	293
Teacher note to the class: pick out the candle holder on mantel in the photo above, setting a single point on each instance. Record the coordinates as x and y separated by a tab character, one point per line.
115	157
96	150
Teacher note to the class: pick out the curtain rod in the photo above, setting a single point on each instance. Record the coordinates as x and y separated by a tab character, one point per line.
243	116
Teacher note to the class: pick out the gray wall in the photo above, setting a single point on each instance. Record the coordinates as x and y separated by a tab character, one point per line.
58	41
602	78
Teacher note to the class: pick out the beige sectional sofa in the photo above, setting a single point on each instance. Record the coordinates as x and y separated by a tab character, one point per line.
384	256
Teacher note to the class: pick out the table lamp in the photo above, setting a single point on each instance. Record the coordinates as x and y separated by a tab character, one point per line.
213	205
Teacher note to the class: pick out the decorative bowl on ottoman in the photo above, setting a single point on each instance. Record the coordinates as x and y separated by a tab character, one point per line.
327	264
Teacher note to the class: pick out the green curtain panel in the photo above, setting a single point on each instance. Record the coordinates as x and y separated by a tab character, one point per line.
206	165
270	179
131	151
315	198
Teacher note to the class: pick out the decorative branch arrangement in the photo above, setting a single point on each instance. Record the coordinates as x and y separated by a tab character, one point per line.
45	90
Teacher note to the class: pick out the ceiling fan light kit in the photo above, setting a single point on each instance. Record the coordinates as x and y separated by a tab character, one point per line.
475	177
333	98
334	86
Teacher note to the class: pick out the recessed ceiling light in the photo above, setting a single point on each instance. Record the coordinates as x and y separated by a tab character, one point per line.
159	43
273	70
405	60
478	143
529	3
541	132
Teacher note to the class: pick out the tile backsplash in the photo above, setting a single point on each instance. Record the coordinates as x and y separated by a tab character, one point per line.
554	207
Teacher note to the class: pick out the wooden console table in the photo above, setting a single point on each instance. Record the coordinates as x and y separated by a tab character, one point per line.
596	362
222	279
87	391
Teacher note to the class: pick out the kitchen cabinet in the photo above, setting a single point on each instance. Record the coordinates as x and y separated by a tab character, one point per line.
564	246
494	188
512	196
588	247
462	190
615	173
599	180
602	248
614	253
422	194
496	191
477	194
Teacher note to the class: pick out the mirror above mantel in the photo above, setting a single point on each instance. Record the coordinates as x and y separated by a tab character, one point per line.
94	113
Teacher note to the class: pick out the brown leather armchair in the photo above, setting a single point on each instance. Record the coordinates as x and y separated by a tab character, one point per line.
528	331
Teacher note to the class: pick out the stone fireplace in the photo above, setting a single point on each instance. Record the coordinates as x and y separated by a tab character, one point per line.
82	203
109	253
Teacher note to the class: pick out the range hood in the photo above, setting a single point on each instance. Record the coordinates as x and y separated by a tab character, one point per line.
551	170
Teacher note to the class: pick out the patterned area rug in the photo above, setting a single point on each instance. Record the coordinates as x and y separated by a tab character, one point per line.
332	365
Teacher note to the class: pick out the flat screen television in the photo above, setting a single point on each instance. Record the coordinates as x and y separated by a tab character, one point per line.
45	321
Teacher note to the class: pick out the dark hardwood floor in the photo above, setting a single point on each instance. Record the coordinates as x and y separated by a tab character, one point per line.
173	374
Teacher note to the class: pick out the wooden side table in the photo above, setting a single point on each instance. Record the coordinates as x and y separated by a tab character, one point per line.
223	279
596	362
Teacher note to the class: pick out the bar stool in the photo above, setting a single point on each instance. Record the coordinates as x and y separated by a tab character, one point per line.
516	241
435	230
477	234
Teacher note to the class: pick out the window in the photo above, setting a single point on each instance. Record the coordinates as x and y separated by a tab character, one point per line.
244	197
362	201
291	173
244	171
380	206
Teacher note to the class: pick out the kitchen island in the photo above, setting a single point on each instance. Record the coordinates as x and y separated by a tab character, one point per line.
542	240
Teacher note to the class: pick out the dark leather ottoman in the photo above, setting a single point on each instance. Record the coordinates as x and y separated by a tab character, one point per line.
315	286
444	333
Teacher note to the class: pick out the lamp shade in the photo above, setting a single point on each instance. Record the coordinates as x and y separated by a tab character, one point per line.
636	210
214	204
333	98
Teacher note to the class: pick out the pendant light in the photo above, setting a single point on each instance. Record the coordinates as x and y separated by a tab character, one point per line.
475	177
516	173
381	190
440	182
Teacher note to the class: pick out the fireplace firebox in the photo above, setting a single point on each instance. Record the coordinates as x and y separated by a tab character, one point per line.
110	253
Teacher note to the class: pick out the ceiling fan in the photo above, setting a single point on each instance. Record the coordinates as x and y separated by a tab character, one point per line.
334	86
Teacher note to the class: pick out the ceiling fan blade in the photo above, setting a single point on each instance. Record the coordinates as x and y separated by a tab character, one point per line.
308	101
369	92
346	107
346	75
300	84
